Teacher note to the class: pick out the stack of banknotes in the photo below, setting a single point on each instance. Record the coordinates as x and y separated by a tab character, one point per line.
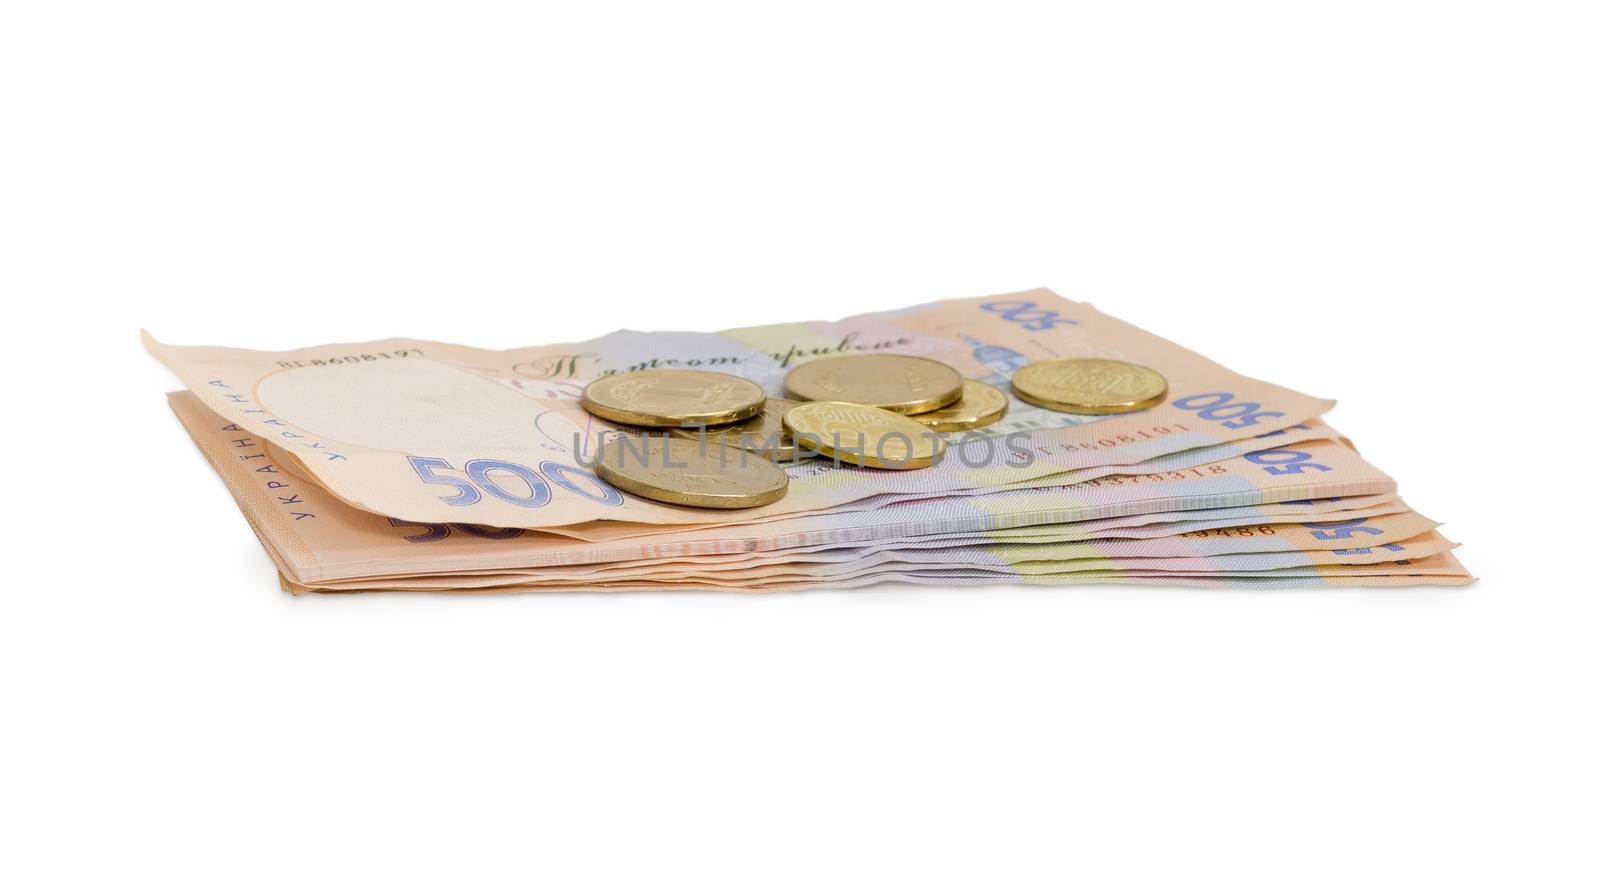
411	465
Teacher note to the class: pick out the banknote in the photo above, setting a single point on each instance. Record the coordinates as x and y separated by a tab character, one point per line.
1439	569
1230	525
440	434
1367	532
317	538
1051	559
211	432
1161	525
1006	564
610	530
1368	538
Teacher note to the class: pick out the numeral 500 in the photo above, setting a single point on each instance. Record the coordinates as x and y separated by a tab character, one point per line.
470	490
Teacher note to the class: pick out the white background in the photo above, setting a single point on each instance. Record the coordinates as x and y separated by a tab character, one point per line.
1391	203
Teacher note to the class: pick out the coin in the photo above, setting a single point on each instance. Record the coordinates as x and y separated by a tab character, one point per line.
681	471
673	397
1089	386
762	434
862	434
979	406
904	384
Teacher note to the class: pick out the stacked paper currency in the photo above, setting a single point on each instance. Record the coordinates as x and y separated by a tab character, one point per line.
410	465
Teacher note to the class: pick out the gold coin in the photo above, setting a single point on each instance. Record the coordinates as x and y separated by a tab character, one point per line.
1089	386
904	384
762	434
979	406
673	397
681	471
862	434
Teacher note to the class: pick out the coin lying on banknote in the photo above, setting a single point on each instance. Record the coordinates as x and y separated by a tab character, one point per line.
762	434
904	384
673	397
979	406
864	435
690	473
1089	386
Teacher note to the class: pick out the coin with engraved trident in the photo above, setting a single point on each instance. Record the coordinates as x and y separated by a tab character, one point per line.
1089	386
902	384
673	397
